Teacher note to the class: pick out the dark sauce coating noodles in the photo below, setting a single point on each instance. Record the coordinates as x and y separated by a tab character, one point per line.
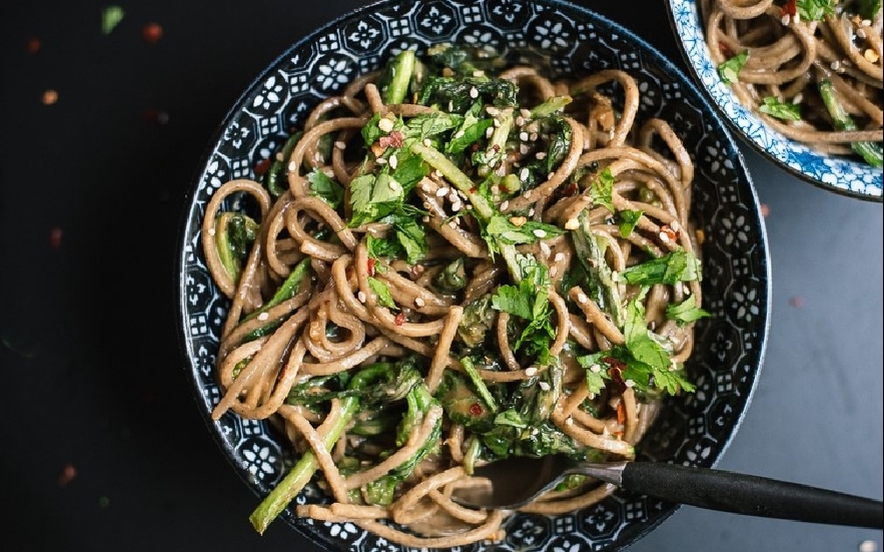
788	57
558	202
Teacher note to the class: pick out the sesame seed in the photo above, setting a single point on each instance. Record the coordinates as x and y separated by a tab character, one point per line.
504	205
540	155
866	23
381	161
442	191
437	174
293	166
361	296
211	231
539	233
478	73
569	421
455	206
544	248
595	368
427	142
385	124
835	65
870	55
559	257
664	237
572	224
528	194
450	106
418	302
491	110
453	223
530	371
553	272
629	383
581	297
523	136
394	161
340	145
526	113
488	132
523	174
785	20
263	316
394	185
675	226
544	385
474	93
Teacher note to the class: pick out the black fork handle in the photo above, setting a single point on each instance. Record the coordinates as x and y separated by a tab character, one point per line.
750	495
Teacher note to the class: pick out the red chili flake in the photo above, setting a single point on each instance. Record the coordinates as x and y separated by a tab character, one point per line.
394	139
475	147
68	473
621	412
669	232
568	191
476	409
152	33
796	301
496	148
154	116
55	238
789	8
725	51
615	371
765	209
370	266
262	166
33	45
400	319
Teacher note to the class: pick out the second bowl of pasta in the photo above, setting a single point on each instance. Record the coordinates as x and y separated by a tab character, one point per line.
800	81
435	234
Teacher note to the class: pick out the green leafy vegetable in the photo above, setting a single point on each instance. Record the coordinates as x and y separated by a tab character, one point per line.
772	106
729	70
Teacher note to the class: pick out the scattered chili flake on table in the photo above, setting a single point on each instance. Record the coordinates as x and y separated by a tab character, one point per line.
152	33
765	209
33	45
55	238
68	473
796	301
50	97
157	116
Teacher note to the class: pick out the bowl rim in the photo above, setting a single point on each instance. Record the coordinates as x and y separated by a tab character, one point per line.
657	58
725	104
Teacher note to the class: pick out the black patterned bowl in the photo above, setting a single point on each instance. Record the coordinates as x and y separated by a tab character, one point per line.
695	430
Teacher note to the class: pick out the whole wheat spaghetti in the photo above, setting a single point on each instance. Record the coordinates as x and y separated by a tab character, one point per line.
811	69
454	262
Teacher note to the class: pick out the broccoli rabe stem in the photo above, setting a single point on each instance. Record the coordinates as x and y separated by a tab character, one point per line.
301	473
870	151
402	70
481	206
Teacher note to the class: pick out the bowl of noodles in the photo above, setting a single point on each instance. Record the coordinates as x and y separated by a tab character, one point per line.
799	80
435	234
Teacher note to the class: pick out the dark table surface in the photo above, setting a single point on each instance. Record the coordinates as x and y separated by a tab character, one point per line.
101	443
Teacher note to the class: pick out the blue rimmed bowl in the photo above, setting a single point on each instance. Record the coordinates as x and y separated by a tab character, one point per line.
692	430
845	176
